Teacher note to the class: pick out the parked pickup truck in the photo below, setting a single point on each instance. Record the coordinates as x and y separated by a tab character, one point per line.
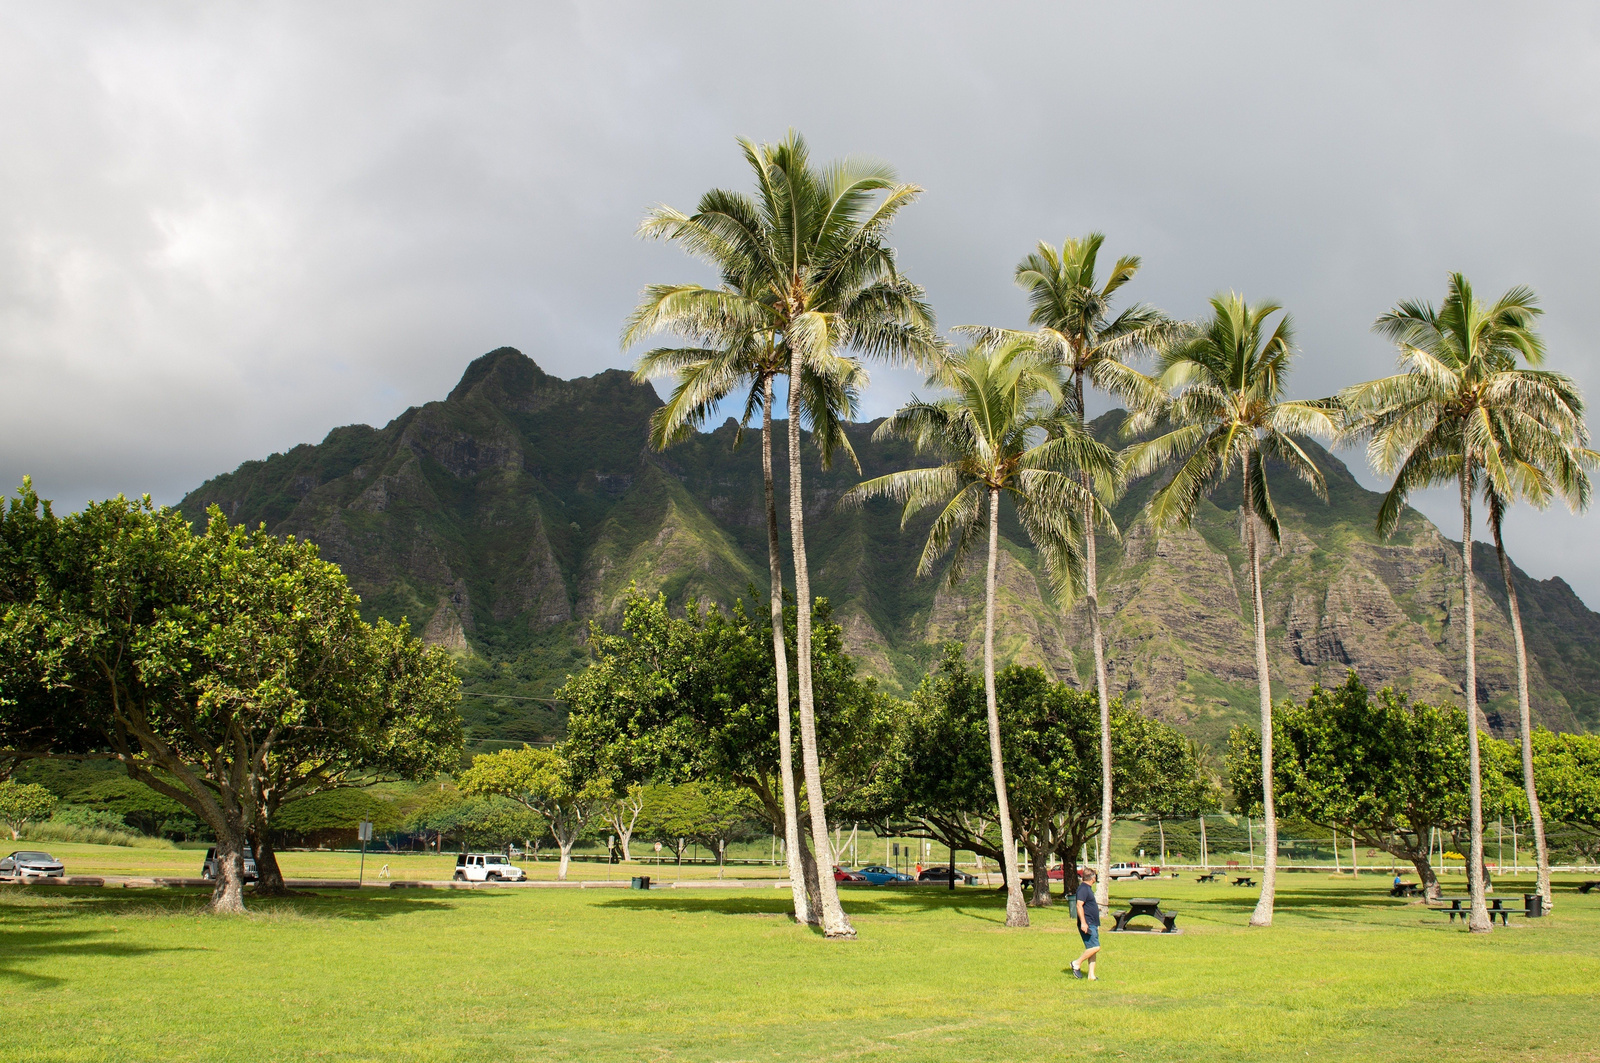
1134	869
486	867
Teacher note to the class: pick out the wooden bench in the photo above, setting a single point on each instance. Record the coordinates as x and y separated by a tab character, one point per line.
1406	889
1244	880
1150	906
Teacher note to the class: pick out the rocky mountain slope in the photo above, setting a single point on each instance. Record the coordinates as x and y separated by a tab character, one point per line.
506	517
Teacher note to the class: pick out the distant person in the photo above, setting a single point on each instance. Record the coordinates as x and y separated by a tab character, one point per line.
1087	909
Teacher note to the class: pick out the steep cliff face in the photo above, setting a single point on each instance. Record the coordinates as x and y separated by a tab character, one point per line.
505	518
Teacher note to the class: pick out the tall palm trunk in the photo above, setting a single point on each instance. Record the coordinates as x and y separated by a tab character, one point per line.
1016	908
803	887
1102	887
1478	922
834	922
1262	916
1526	717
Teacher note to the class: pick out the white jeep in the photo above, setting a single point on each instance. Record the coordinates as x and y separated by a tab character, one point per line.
486	867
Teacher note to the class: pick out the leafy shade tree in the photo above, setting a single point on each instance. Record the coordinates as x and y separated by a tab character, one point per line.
540	780
1567	770
940	778
408	725
736	353
805	263
622	816
333	815
22	803
1463	410
191	659
1224	410
1072	308
674	698
1387	771
996	434
702	812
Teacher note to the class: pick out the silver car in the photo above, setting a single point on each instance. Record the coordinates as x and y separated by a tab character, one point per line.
212	866
28	864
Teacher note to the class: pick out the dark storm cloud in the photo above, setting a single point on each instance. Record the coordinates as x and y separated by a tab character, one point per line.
226	229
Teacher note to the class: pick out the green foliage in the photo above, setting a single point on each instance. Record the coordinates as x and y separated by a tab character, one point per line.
90	818
24	803
701	812
333	813
1566	771
692	697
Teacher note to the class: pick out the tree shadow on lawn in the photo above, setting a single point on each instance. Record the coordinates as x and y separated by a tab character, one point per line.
970	905
98	902
43	944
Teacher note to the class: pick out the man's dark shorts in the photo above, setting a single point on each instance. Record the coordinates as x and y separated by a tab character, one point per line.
1091	937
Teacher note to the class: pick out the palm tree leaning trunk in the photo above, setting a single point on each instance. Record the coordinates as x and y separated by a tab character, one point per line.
1524	712
1475	887
1016	908
1002	432
1224	410
1076	330
1262	915
803	876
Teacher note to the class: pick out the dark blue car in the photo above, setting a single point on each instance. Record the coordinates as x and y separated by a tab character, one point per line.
878	875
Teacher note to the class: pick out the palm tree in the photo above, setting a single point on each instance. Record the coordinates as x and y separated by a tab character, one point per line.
732	359
805	262
1558	465
1072	310
999	437
1225	409
1461	410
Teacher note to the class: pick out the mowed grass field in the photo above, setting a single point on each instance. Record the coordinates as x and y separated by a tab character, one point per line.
705	974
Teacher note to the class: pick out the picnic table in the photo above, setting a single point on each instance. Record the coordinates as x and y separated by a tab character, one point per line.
1406	889
1150	906
1462	906
1244	880
1209	876
1587	886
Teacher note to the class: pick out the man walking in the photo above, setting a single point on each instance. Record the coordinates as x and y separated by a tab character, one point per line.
1087	909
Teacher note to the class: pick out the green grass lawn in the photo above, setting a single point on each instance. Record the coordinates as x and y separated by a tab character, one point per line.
1347	974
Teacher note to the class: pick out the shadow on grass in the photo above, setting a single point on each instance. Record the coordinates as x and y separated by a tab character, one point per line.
45	944
982	906
69	903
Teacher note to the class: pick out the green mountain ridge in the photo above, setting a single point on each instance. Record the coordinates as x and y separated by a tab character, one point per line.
507	517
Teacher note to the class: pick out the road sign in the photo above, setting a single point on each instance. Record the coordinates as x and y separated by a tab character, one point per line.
366	830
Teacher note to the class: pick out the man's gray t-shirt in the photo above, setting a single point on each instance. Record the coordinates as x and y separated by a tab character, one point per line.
1091	907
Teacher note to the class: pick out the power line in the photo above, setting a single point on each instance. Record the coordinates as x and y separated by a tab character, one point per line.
511	697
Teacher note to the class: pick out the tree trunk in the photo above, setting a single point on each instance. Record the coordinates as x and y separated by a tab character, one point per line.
1205	854
1478	921
1162	830
1430	880
566	858
1040	894
835	924
804	910
1102	889
1525	715
1262	916
227	897
810	877
269	879
1016	909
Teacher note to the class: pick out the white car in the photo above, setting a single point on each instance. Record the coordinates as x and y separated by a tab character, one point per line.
28	864
1133	870
486	867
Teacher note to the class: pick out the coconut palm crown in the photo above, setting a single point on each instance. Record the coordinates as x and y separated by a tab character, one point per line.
1224	410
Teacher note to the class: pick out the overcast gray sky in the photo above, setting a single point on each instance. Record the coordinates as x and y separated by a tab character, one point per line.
228	228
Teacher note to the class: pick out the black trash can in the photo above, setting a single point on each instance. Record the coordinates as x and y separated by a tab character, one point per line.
640	882
1534	904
